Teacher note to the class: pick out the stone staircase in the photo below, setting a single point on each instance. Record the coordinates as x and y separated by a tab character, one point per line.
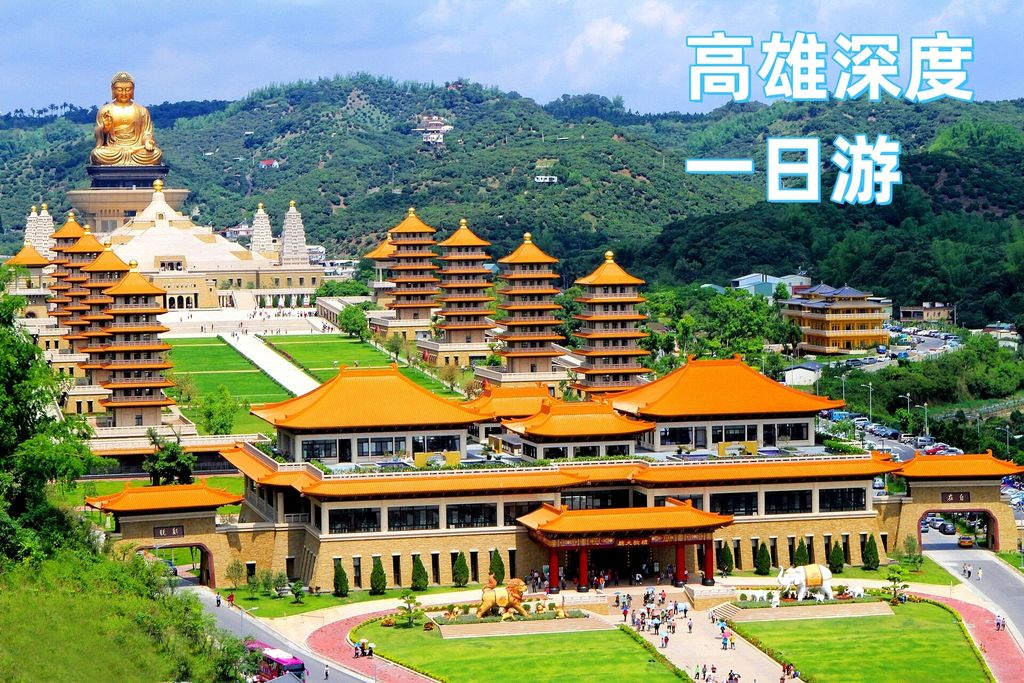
728	611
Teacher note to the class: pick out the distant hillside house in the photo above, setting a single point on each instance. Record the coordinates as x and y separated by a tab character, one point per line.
760	283
433	128
835	320
236	231
269	163
927	312
317	253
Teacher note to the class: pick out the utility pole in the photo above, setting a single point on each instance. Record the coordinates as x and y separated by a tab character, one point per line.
871	391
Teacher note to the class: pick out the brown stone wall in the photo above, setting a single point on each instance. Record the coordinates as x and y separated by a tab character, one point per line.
925	498
763	529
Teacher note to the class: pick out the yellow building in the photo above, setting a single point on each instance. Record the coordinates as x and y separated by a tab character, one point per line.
833	320
413	275
31	283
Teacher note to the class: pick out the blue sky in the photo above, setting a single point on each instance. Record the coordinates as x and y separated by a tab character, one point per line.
57	51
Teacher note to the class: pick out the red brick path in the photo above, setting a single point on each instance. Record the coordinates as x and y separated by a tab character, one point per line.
1001	652
331	642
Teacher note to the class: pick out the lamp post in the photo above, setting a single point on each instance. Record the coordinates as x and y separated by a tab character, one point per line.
843	377
925	406
906	396
871	393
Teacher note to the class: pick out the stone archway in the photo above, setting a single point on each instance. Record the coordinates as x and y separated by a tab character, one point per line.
207	574
993	522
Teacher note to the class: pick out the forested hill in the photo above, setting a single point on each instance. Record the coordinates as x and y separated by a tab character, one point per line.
348	154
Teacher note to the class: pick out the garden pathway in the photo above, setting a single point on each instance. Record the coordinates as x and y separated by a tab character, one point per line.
331	642
287	375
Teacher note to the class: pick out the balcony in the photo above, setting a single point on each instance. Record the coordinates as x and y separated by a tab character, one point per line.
135	307
874	332
297	518
877	316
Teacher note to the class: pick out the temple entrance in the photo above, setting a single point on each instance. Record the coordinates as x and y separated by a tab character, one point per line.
624	563
938	529
192	563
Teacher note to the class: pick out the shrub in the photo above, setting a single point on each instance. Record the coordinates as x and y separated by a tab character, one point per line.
297	590
235	572
743	597
839	589
265	578
387	622
428	626
340	581
460	572
724	560
870	560
836	559
497	566
419	574
280	581
378	581
763	563
528	606
800	557
466	609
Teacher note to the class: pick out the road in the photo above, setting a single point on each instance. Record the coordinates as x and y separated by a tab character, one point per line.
230	619
1000	584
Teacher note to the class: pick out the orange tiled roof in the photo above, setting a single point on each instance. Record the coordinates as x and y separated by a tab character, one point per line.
86	244
504	400
106	262
674	515
133	284
70	230
797	468
973	465
375	398
717	387
446	482
585	418
155	498
411	224
609	273
382	251
27	257
528	252
464	237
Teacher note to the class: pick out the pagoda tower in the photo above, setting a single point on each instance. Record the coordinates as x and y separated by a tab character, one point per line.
32	286
413	276
527	284
80	254
68	234
609	331
293	239
262	237
381	255
465	301
38	231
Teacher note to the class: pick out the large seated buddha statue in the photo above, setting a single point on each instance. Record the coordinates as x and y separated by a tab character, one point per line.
124	130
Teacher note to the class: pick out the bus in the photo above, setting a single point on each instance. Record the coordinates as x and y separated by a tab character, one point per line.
275	663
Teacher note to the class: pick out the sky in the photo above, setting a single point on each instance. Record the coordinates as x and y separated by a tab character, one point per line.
54	51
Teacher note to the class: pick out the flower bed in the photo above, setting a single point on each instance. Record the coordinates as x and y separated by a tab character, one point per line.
439	618
789	602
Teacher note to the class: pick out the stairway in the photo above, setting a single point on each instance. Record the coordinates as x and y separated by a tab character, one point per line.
727	611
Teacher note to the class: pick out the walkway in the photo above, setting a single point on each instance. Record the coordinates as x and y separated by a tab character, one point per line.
331	642
287	375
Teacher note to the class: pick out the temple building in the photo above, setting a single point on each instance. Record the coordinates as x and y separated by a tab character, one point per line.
505	402
413	275
39	230
527	285
611	354
466	302
381	286
843	320
32	283
722	404
571	430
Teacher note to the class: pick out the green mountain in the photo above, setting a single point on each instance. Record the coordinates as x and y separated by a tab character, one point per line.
349	155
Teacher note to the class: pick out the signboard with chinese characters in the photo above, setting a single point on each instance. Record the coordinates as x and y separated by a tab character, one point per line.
956	496
168	531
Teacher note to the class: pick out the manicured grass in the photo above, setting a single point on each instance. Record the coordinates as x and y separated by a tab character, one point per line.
1012	559
270	607
211	363
551	657
930	573
428	382
921	642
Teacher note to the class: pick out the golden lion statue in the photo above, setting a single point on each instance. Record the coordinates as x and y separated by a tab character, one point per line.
507	598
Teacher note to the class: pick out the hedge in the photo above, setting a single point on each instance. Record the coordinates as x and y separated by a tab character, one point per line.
653	651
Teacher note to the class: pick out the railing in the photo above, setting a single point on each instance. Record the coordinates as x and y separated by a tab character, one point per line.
102	432
135	361
135	380
879	316
611	349
812	331
539	320
297	518
527	273
465	311
261	506
585	382
513	288
154	342
141	323
136	399
135	307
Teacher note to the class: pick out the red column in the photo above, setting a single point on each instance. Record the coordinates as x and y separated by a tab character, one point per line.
680	563
709	563
583	578
553	581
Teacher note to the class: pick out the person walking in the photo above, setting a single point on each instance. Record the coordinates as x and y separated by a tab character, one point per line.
998	619
689	626
968	572
732	641
980	570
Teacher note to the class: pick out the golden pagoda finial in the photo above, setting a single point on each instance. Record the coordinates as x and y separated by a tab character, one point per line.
609	256
291	204
462	222
46	206
158	185
411	211
133	266
259	207
71	215
34	208
88	229
527	238
106	245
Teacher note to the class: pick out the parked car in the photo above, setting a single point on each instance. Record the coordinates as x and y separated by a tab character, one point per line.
923	441
925	528
869	361
936	522
878	483
907	438
965	542
854	363
936	449
947	528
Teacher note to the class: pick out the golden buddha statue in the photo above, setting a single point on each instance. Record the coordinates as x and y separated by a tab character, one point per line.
124	130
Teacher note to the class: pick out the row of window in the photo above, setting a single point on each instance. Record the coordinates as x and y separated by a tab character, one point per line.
697	437
383	446
422	517
744	503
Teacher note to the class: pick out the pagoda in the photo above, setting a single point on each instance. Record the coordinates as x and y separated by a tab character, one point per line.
465	302
381	255
609	332
414	279
83	252
30	287
527	285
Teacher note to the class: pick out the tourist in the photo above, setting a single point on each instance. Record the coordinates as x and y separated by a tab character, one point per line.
625	613
732	641
979	573
968	571
218	599
725	642
704	672
686	608
998	619
689	626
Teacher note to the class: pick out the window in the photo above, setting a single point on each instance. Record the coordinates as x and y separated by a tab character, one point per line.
792	431
474	567
512	562
319	449
639	499
353	521
773	548
250	569
472	515
596	500
317	521
586	451
396	569
885	542
514	511
842	500
357	571
716	434
676	436
344	450
696	499
552	452
791	541
751	432
435	567
700	437
617	449
846	548
735	432
412	517
740	504
810	548
737	557
787	502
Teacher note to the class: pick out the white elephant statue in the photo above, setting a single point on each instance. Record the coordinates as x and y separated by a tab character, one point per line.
855	591
806	579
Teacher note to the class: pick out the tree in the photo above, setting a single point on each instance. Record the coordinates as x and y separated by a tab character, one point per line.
265	578
870	559
409	606
352	321
393	344
836	559
460	571
340	581
378	581
280	581
340	288
217	411
497	567
297	590
568	308
911	556
419	574
450	375
724	560
897	577
235	573
763	562
800	557
184	385
169	461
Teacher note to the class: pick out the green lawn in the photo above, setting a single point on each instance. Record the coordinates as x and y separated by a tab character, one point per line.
1012	559
210	363
284	607
546	658
922	642
930	573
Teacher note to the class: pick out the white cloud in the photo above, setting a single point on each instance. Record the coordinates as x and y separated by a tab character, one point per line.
654	13
600	40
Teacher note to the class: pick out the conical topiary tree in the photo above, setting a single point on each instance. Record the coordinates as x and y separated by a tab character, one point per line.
497	566
460	572
836	559
419	574
801	557
870	559
763	562
724	560
340	581
378	581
